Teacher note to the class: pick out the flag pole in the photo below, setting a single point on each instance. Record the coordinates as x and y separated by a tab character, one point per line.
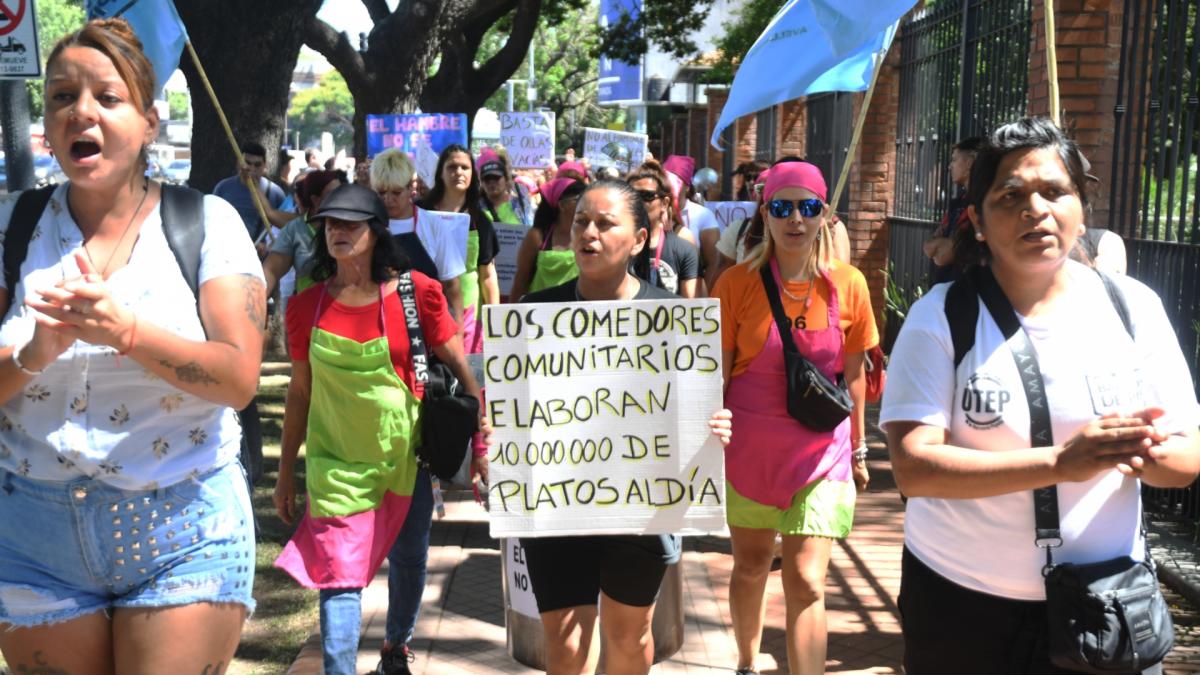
1052	63
857	135
237	151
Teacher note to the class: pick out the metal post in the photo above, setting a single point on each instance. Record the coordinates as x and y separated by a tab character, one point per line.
967	80
509	86
532	84
14	118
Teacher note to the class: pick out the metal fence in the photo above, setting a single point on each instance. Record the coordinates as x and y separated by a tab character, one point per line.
827	140
964	69
1155	181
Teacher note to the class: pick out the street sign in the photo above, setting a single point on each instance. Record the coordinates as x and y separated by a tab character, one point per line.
620	82
19	57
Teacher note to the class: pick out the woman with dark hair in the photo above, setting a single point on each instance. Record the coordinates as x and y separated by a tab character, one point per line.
1120	412
569	574
126	531
675	264
456	190
783	477
295	245
354	401
545	258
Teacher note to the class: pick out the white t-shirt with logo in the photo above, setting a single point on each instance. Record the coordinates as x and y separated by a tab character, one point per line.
1090	367
698	218
444	236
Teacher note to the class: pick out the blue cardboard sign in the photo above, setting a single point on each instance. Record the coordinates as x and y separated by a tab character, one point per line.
620	82
404	131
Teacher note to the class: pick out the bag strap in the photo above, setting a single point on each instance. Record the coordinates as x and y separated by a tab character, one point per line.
781	320
25	216
962	313
1047	532
182	212
416	337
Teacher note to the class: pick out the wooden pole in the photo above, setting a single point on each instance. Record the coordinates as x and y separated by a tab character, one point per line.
1052	64
857	135
233	144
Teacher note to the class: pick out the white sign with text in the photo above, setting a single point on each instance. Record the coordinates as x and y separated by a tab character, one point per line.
600	413
510	237
731	213
622	149
529	139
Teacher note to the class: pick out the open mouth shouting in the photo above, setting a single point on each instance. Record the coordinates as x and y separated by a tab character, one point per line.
84	150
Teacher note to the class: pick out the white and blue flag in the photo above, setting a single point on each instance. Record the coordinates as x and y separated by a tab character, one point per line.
812	46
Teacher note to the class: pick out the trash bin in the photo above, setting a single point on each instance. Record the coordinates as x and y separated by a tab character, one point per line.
524	627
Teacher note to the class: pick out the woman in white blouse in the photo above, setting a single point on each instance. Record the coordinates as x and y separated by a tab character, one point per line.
125	522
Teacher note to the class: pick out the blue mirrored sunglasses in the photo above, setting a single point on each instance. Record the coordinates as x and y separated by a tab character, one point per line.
782	208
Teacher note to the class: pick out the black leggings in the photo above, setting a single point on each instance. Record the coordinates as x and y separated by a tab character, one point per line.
953	630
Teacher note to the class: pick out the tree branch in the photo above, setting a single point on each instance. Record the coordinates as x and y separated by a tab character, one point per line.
501	66
341	54
487	12
377	9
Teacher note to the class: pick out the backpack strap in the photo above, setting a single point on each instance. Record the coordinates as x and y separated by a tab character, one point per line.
962	313
25	216
182	211
1118	302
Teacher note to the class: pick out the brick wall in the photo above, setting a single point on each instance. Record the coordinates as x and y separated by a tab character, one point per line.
698	134
872	180
793	128
1088	42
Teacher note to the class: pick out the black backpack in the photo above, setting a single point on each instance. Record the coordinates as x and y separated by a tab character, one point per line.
182	224
962	307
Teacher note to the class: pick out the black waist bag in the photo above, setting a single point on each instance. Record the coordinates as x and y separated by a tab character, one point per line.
812	399
1101	617
449	415
1107	617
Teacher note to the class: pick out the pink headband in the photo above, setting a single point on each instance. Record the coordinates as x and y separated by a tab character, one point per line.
571	166
794	174
682	166
552	191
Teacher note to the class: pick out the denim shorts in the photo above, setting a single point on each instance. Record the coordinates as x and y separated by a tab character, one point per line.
68	549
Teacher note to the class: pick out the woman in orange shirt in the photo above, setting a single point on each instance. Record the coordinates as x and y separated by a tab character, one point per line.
781	476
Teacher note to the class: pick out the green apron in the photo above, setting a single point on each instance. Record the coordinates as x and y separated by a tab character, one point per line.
470	279
362	424
553	268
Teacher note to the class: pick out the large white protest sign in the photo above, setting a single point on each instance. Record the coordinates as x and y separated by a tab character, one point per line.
600	415
731	213
622	149
520	591
510	237
529	139
426	161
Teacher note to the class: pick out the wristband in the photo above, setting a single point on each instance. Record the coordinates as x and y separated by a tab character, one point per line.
860	453
20	366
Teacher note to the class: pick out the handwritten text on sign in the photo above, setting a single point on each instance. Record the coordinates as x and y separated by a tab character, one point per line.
510	237
731	213
529	139
600	412
621	149
405	130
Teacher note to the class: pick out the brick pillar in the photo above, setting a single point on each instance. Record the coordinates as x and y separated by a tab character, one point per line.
1088	42
793	129
872	180
698	133
716	101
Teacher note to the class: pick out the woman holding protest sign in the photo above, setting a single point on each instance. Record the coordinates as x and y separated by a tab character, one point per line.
354	400
456	190
570	574
785	475
546	258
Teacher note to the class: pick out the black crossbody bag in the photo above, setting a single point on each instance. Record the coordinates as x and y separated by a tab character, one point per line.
1102	617
449	415
812	399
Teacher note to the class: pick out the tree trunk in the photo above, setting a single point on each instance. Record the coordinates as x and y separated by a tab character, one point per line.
249	51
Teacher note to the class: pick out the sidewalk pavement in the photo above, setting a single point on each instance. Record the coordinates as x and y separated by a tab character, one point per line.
461	627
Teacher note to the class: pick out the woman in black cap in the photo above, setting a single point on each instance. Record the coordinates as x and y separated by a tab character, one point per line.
355	401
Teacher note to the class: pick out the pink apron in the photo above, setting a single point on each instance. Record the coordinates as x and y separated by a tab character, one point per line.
772	456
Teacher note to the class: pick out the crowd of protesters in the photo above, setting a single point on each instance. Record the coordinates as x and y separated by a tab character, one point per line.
125	524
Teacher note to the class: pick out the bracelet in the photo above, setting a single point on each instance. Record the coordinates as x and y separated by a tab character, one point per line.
20	366
132	337
860	454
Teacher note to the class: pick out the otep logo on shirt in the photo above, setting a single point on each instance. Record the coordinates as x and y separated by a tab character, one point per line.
983	401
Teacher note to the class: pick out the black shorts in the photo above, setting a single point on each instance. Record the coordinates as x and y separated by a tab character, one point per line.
951	630
571	571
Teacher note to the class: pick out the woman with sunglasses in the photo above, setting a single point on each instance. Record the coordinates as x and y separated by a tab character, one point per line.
674	263
620	575
355	401
782	477
456	190
545	258
294	245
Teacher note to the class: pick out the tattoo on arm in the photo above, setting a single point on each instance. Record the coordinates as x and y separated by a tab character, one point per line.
39	667
256	301
190	373
213	668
